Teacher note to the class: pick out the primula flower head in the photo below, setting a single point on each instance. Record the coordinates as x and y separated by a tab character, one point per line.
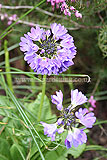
70	118
48	51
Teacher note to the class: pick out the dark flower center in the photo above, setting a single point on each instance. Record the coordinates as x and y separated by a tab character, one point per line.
68	118
49	46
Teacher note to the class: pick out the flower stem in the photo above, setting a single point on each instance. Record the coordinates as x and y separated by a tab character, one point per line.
7	67
42	98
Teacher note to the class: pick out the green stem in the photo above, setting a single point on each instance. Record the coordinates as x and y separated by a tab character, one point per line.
42	98
32	82
7	33
7	66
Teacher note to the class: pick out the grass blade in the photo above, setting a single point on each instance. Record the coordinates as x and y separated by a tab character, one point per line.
22	113
10	48
25	121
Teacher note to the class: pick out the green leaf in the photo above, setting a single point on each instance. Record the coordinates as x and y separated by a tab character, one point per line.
4	103
15	154
3	158
4	149
46	112
52	154
95	147
61	153
102	40
57	154
76	152
34	150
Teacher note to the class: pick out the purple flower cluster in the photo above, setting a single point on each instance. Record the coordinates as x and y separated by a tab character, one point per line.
69	119
65	8
48	51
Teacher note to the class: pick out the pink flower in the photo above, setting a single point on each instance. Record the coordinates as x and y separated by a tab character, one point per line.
9	22
6	15
78	15
0	6
65	8
92	101
72	8
2	17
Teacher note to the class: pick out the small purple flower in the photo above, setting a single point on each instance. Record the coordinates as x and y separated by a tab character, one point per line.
50	130
45	50
60	130
57	99
86	119
59	121
75	138
77	98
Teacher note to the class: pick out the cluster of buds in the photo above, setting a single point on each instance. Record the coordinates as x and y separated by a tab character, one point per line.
70	119
65	8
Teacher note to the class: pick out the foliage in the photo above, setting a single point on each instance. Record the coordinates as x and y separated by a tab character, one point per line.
102	40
